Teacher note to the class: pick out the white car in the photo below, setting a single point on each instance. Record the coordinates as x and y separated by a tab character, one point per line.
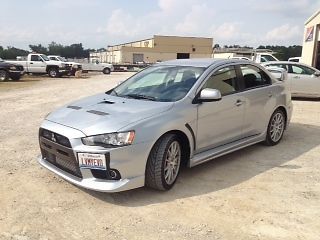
295	59
304	80
96	66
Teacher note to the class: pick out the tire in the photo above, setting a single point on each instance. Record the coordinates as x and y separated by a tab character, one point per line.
106	71
276	128
15	77
4	76
162	167
53	72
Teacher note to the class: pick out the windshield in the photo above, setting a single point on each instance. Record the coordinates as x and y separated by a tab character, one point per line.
159	83
62	59
44	57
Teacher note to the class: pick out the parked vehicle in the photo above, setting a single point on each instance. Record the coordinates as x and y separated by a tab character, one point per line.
172	113
9	70
73	65
96	66
40	63
295	59
304	80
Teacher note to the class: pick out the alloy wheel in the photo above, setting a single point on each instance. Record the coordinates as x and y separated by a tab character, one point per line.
172	162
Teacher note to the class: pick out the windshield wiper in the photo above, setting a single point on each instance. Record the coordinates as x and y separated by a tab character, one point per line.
140	96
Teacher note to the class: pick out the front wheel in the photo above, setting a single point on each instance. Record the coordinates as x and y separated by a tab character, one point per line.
164	163
275	128
15	77
53	72
3	75
106	71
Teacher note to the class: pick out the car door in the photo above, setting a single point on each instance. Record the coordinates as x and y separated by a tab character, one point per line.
303	80
258	94
221	122
36	64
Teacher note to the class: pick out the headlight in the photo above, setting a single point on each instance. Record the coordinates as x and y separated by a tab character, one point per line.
110	139
63	65
13	68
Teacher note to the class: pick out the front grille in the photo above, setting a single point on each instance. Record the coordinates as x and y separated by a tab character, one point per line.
59	155
55	137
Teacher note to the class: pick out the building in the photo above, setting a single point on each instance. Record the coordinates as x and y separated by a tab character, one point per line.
160	48
311	41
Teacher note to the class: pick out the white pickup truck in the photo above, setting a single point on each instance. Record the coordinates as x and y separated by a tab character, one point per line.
96	66
73	65
41	64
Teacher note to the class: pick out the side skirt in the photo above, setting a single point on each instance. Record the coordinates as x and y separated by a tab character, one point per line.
223	150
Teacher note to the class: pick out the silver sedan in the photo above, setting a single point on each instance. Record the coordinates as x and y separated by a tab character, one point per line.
303	80
173	114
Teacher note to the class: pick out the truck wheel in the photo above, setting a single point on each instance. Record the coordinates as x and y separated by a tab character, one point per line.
163	163
15	77
53	72
3	75
106	71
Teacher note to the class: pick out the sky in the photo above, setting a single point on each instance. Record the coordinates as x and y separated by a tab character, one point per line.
99	23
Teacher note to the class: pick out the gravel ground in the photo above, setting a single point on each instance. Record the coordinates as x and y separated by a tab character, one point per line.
256	193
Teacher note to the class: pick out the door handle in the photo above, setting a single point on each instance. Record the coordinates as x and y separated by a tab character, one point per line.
238	103
31	63
270	94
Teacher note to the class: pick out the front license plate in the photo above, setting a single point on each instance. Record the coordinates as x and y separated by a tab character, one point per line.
92	161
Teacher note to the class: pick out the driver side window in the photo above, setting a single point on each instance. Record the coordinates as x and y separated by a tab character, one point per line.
224	80
35	58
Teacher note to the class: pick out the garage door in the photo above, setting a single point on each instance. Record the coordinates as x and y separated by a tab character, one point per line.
137	57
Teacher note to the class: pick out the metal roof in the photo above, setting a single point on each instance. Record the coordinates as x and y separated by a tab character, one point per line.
201	62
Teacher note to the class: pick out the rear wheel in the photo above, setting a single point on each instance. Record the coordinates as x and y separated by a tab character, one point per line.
53	72
3	75
276	128
106	71
164	163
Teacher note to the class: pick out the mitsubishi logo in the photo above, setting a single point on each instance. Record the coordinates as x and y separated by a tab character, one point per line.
53	138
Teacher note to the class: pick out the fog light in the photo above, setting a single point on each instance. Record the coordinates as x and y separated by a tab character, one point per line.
114	174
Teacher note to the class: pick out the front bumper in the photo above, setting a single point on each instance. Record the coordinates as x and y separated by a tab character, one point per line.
129	161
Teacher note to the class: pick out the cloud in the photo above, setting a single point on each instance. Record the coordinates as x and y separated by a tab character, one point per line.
283	34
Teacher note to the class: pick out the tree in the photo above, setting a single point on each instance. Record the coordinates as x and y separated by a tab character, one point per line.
38	49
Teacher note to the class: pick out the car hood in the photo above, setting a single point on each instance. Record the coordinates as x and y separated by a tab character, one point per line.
104	113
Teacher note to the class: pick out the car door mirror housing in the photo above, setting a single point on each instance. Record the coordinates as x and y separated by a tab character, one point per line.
209	95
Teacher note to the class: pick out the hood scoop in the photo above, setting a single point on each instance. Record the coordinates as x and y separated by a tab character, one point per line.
106	102
98	112
74	107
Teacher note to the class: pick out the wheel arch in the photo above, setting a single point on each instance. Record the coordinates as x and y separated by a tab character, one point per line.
185	144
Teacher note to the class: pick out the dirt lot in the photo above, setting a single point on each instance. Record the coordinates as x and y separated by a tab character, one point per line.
256	193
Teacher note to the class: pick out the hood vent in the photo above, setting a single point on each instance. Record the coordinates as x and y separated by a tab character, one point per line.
98	112
106	102
74	107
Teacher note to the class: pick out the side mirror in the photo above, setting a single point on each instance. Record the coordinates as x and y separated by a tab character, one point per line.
209	95
316	74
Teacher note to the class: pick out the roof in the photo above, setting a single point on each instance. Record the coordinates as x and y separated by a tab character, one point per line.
201	62
312	17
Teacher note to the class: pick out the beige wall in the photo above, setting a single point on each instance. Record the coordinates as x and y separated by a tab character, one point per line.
309	48
161	48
